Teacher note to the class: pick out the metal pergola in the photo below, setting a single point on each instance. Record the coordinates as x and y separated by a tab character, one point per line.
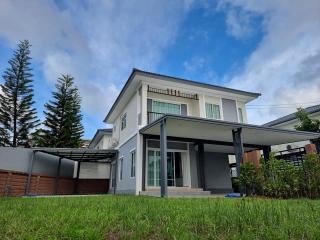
74	154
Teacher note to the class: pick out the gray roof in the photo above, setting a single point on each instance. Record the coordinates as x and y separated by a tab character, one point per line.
180	80
100	132
292	116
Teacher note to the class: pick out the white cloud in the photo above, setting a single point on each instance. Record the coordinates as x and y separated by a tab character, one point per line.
285	66
97	42
238	24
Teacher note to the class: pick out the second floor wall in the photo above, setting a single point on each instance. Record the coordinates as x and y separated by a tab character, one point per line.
147	105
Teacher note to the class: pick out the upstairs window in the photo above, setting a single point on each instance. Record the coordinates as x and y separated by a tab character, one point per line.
123	121
212	111
164	107
240	114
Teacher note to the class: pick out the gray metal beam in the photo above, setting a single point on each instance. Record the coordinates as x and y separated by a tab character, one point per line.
238	148
202	177
163	159
31	163
266	152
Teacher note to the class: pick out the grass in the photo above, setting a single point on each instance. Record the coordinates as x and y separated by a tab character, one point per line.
124	217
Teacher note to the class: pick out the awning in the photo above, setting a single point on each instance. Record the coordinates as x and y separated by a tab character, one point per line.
215	131
80	154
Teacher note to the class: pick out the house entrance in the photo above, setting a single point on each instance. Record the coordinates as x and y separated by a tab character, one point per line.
174	168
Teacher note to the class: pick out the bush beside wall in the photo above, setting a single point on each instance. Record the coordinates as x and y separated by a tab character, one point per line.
279	179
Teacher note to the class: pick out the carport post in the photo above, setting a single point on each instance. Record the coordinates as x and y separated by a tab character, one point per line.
27	188
238	148
163	158
57	176
266	152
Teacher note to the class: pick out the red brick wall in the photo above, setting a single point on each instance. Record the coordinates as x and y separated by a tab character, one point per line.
13	184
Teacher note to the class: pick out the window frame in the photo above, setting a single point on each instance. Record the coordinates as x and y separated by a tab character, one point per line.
240	115
123	121
167	102
219	107
133	159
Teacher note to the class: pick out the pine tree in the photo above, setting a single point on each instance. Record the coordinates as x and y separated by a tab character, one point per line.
63	126
17	115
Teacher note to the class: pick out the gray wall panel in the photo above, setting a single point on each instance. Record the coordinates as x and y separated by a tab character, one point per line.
229	110
127	184
18	159
217	172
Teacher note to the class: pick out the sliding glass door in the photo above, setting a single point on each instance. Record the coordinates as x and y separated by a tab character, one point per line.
174	169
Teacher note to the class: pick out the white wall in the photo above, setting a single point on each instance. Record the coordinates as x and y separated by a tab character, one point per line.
132	122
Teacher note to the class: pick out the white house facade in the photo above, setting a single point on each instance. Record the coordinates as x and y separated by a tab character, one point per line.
173	133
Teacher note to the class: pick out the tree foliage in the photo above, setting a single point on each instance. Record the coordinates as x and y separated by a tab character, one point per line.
17	116
306	123
63	127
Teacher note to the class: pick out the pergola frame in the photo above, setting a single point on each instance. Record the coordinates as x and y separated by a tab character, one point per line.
76	155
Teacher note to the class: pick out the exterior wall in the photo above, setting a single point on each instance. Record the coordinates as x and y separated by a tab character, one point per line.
217	172
128	184
229	109
132	122
93	170
18	159
105	142
196	108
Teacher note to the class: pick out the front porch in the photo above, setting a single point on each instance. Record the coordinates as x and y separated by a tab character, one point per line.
186	154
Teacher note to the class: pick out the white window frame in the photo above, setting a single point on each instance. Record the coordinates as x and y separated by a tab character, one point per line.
133	163
123	126
240	110
121	169
205	110
167	101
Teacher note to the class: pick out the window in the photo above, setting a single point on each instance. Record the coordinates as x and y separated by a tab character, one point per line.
123	121
133	164
212	111
163	107
240	114
120	168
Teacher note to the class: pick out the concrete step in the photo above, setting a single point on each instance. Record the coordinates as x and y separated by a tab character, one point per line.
178	192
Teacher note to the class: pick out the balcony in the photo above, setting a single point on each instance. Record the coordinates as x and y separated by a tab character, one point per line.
152	116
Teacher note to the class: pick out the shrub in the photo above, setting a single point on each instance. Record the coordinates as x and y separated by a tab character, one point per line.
280	179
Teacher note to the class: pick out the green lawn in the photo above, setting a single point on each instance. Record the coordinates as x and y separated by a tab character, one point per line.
121	217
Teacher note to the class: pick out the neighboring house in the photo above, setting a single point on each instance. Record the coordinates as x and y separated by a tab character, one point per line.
102	139
289	122
179	133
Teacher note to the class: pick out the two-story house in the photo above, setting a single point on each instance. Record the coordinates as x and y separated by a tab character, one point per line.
179	134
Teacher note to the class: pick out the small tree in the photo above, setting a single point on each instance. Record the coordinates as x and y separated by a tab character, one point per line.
308	124
17	116
63	126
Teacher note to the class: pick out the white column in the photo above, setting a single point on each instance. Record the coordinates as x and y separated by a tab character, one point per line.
202	106
139	159
144	93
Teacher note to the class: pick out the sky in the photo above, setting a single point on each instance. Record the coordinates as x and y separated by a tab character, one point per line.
268	46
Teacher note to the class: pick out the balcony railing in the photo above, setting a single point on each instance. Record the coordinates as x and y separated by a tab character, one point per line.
152	116
172	92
